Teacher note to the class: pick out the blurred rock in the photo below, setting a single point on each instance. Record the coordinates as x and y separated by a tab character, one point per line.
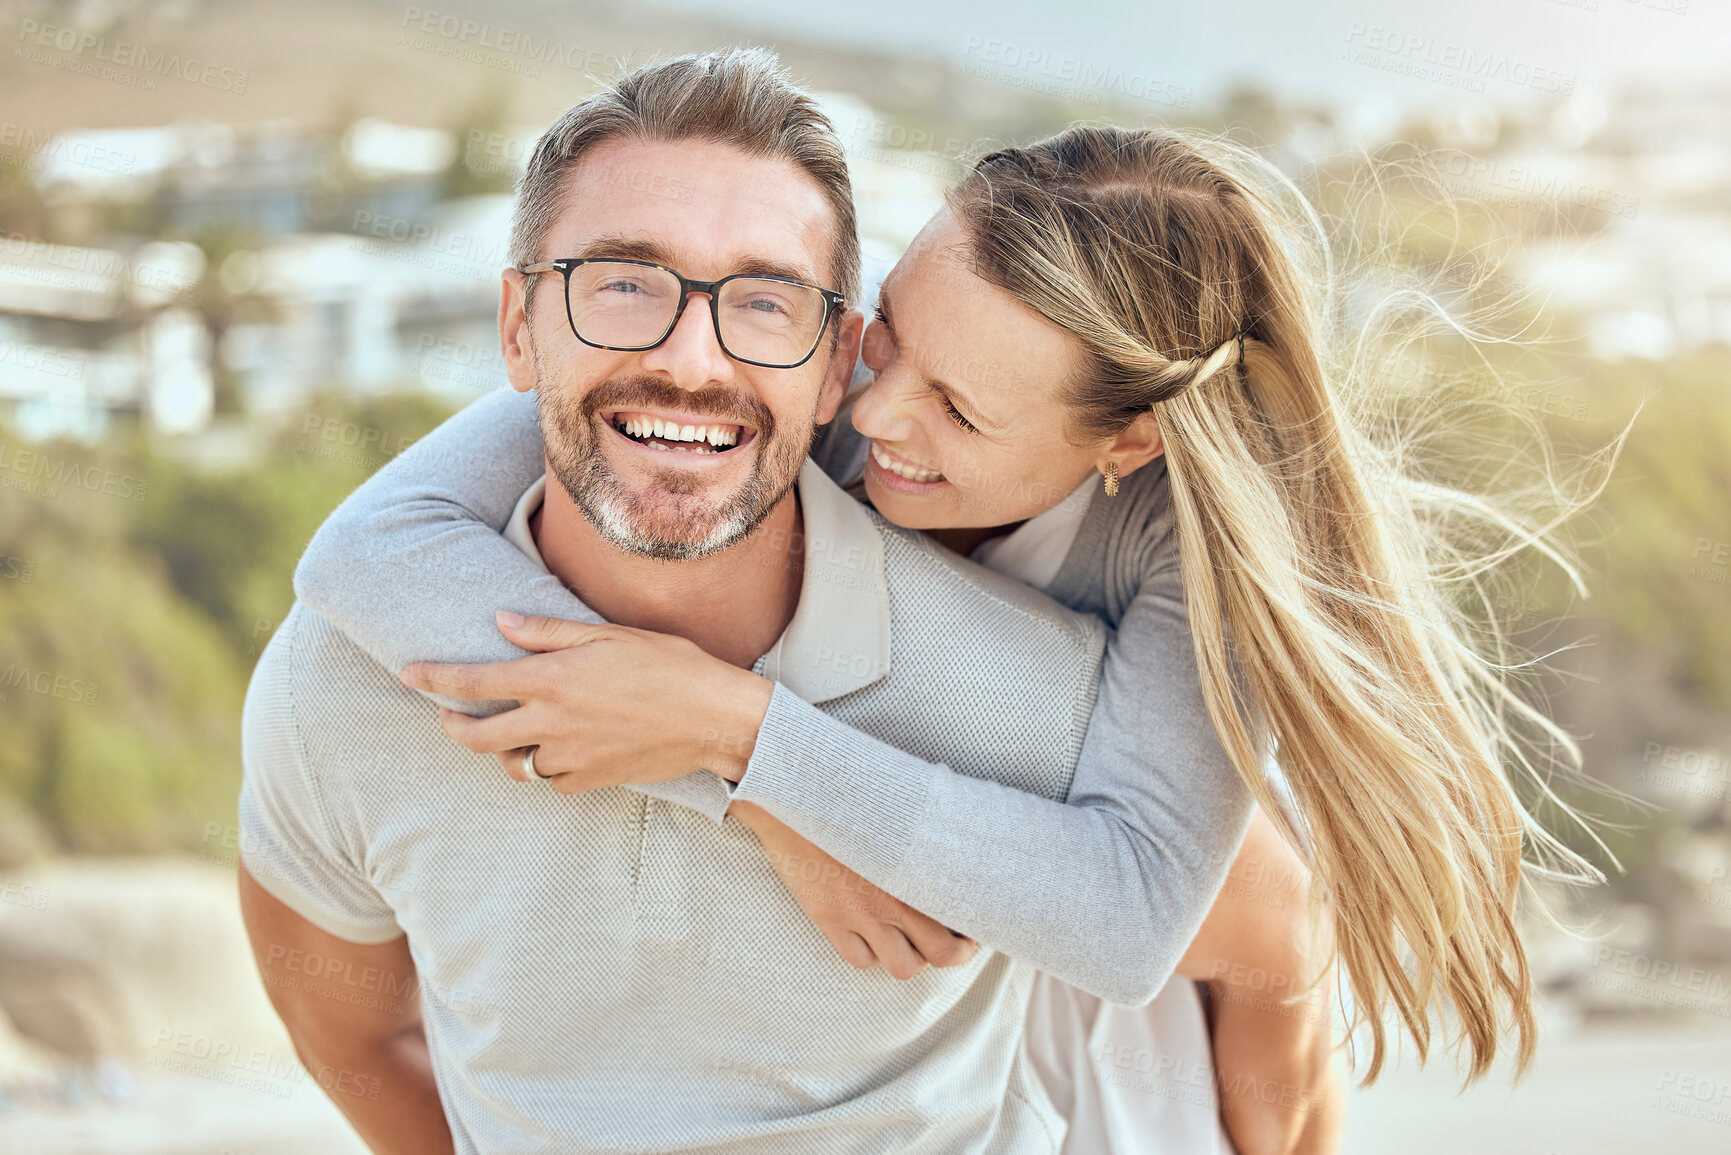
118	958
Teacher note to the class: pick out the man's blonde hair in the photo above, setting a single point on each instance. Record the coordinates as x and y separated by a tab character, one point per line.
741	96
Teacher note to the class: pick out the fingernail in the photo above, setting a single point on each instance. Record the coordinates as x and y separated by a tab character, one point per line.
510	618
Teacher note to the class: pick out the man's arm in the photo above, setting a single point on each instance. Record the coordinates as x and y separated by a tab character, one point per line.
1274	1056
371	1060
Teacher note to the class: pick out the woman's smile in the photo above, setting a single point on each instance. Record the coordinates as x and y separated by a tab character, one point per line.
912	477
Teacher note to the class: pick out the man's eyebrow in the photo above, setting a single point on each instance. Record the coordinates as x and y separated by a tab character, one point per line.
630	248
936	384
640	249
761	267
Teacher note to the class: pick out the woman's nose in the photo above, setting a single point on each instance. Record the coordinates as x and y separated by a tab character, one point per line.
884	411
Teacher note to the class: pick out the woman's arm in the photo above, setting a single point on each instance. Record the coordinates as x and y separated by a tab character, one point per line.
1084	889
1105	892
412	567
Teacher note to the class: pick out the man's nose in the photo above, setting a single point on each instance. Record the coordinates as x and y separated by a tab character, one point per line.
691	356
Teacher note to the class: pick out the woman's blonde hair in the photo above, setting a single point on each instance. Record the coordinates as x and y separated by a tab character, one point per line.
1322	577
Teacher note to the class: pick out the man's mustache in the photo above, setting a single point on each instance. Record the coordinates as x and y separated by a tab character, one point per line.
723	405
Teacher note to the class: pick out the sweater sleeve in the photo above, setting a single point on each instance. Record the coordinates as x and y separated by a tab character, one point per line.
1104	890
412	565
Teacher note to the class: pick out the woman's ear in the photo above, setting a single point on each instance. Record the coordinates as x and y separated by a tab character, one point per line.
1137	445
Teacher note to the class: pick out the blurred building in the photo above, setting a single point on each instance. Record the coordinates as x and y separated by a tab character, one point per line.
88	333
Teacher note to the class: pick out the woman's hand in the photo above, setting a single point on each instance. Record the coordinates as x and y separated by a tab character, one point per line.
866	925
606	705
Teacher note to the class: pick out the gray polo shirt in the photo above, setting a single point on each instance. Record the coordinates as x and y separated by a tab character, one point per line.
611	972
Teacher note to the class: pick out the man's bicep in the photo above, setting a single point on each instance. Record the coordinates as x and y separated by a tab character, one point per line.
328	990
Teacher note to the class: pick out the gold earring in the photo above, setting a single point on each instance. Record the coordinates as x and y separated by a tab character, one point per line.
1111	475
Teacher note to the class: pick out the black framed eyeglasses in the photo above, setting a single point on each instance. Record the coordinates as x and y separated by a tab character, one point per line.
628	305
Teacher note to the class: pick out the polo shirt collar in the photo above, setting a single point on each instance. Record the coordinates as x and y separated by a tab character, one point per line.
839	638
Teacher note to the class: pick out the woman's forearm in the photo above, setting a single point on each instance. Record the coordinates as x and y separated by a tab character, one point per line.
411	566
1104	892
1104	889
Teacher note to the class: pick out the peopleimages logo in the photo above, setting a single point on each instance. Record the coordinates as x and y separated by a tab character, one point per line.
126	54
48	684
67	266
44	475
1455	65
29	147
1661	980
1526	186
1055	74
514	45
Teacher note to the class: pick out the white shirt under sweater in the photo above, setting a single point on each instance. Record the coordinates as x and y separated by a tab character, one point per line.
612	972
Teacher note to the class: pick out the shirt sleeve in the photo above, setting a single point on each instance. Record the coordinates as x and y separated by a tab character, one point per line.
1104	890
412	566
296	839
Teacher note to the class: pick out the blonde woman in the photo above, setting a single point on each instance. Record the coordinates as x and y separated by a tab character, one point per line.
1099	370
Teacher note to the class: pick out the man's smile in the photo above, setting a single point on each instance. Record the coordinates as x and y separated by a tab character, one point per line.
668	431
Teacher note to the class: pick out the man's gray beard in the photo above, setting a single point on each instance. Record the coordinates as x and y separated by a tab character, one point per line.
645	528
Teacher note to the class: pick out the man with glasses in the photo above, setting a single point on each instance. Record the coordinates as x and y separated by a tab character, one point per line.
626	298
620	970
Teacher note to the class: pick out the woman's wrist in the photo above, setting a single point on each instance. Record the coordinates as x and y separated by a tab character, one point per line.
732	720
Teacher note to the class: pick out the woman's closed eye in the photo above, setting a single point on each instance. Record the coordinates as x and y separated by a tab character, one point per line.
878	348
955	414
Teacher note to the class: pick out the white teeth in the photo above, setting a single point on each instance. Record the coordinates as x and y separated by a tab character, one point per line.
911	472
713	435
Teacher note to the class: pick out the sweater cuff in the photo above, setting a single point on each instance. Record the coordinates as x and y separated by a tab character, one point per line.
857	798
700	790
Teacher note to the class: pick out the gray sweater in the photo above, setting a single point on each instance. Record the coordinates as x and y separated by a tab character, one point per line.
1104	890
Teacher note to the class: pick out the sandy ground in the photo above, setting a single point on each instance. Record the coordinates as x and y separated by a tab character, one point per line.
1609	1089
171	940
1597	1093
184	1115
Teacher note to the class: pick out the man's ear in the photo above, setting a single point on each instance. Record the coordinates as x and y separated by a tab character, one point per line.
515	341
1139	443
839	374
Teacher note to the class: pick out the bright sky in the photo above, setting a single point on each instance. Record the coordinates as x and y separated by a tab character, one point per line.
1346	51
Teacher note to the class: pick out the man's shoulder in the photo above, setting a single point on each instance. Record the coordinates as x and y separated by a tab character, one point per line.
983	669
315	673
927	580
